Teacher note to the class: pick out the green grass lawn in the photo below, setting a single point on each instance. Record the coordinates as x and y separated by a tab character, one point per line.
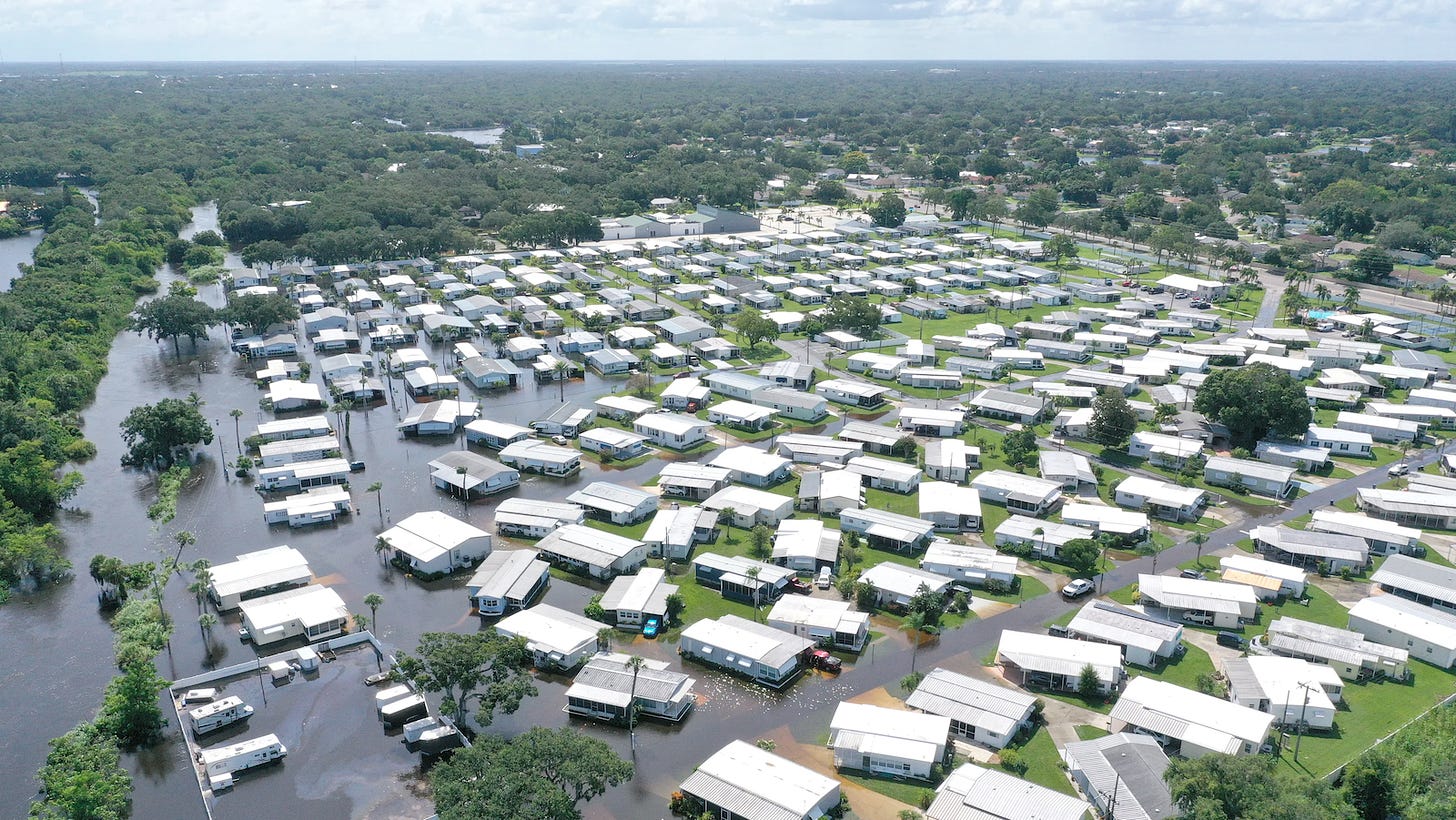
905	791
636	531
1043	763
908	504
1322	609
1085	732
1124	595
1030	588
1184	671
1371	711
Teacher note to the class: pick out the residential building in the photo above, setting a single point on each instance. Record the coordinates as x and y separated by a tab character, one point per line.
1293	690
1424	582
313	613
950	507
896	584
972	792
882	474
805	545
1349	653
435	543
750	506
1160	499
1189	723
1070	469
828	492
1209	603
630	600
1146	640
540	457
1309	550
1022	408
979	711
763	654
892	742
875	438
742	579
674	532
469	475
301	475
861	395
1045	538
826	621
1035	659
558	640
1427	633
1340	442
1130	526
1162	449
804	448
1020	494
674	431
618	503
610	683
592	552
255	574
1255	476
507	580
1269	579
689	480
743	781
1409	507
438	418
1122	775
529	518
971	565
929	421
882	529
751	466
951	460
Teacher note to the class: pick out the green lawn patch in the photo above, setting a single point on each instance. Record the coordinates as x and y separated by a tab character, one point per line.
1043	764
1184	671
1031	587
635	531
1322	609
1371	711
1126	596
905	791
1086	732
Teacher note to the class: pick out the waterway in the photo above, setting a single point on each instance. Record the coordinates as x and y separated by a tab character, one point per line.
16	251
480	137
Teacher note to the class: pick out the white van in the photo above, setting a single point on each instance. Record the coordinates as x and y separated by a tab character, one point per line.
825	579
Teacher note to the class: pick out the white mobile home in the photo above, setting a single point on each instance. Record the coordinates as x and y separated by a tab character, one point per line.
950	507
825	621
760	652
979	711
312	612
885	741
1146	640
1035	659
1208	603
255	574
507	580
465	474
598	554
609	684
618	503
1294	691
743	781
557	639
1189	723
433	542
1427	633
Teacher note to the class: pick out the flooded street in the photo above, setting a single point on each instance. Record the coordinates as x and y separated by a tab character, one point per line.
58	647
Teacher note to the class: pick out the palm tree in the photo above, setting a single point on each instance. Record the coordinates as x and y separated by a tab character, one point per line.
1322	293
378	489
361	622
1199	539
561	371
1040	540
205	622
914	622
1350	299
635	664
374	601
237	434
604	639
381	549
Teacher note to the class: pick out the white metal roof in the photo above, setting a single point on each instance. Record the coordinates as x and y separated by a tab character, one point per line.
759	785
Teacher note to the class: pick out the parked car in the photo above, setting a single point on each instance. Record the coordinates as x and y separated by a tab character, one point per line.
356	466
1057	631
1180	295
800	586
651	627
560	441
825	579
1198	616
1232	640
821	659
1078	588
1200	304
378	678
1397	470
1324	327
1196	575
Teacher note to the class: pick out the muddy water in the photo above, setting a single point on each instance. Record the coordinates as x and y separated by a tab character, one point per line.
58	649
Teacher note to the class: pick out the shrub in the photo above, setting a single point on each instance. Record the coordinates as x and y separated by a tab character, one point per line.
1012	762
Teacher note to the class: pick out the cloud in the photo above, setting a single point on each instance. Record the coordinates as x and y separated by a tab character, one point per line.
712	29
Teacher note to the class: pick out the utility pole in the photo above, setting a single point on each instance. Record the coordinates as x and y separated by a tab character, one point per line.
1299	729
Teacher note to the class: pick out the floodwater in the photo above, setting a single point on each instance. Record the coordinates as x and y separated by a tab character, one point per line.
16	251
478	136
58	649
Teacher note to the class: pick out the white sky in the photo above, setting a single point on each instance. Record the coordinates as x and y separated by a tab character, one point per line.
154	30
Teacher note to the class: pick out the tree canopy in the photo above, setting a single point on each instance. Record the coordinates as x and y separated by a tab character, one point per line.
484	668
1113	419
544	774
888	211
175	315
158	434
857	316
1253	401
258	312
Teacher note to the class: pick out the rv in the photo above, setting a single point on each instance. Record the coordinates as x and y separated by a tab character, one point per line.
215	715
403	710
221	764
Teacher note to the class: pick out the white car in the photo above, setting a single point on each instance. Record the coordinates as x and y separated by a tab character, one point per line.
1077	588
1397	470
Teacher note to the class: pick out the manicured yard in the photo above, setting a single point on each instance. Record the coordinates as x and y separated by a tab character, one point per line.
1371	711
1043	763
1322	609
1085	732
905	791
1183	672
1030	588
